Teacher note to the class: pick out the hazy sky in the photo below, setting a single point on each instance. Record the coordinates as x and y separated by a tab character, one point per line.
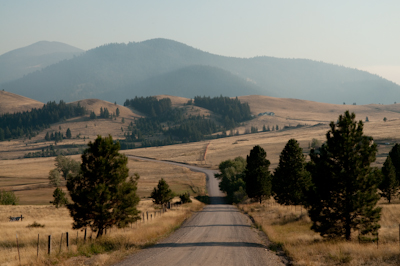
359	34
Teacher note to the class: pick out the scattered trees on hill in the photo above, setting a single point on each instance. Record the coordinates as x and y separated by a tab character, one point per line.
344	193
232	179
162	194
389	185
60	198
257	174
291	180
102	197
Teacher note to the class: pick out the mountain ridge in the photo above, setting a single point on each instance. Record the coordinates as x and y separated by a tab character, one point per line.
110	69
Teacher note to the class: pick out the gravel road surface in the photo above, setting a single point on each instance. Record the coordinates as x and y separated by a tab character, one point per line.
217	235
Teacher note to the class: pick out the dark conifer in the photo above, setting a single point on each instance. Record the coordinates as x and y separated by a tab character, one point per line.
291	180
102	197
344	195
257	175
390	185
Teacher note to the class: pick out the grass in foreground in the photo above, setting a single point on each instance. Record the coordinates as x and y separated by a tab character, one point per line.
109	249
289	228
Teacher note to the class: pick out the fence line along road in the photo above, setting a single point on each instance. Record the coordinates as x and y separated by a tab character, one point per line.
217	235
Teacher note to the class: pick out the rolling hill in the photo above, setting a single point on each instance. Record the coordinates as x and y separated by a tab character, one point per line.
159	66
19	62
11	103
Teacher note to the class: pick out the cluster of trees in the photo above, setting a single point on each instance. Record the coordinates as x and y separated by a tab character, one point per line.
337	186
29	123
172	126
151	106
232	111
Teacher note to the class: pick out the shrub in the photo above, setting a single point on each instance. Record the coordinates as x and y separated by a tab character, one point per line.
185	198
8	198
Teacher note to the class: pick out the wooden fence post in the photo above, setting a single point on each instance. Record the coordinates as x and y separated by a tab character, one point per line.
84	238
77	238
49	245
147	216
37	255
67	236
61	241
18	248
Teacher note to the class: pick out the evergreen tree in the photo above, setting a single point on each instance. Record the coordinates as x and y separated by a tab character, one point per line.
390	185
68	134
117	112
92	115
102	197
257	174
395	157
344	195
291	180
47	137
162	194
60	198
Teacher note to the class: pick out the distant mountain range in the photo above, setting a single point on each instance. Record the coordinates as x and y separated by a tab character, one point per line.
19	62
116	72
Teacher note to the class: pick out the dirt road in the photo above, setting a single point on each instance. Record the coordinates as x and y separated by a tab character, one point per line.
218	235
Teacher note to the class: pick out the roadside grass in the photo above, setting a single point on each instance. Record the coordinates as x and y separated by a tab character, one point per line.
112	247
288	227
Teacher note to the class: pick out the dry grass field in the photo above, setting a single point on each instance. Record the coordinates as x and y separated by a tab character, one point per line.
113	247
289	228
28	177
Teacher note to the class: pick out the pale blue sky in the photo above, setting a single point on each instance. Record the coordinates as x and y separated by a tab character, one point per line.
359	34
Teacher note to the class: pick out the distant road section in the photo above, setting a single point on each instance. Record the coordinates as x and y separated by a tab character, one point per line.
218	235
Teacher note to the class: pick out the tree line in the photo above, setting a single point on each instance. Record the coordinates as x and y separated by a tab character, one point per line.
232	111
29	123
338	186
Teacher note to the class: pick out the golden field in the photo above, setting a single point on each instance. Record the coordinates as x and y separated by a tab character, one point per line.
28	177
111	248
288	227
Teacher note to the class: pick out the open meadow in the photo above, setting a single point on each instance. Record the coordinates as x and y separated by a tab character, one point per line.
287	228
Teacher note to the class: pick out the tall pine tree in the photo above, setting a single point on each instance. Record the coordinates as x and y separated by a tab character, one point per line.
390	185
257	175
291	180
395	157
102	197
344	195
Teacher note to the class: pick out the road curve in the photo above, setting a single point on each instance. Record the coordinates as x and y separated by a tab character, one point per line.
217	235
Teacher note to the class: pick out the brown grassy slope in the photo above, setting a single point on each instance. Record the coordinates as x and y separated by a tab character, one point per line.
10	103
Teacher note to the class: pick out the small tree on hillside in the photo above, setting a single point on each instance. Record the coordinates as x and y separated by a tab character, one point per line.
291	180
390	185
231	177
68	133
162	194
257	175
60	198
101	194
344	194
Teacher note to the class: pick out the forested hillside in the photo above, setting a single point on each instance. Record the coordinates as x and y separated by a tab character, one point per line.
115	72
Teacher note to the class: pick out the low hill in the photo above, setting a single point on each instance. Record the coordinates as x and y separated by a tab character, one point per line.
190	81
19	62
161	66
11	103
